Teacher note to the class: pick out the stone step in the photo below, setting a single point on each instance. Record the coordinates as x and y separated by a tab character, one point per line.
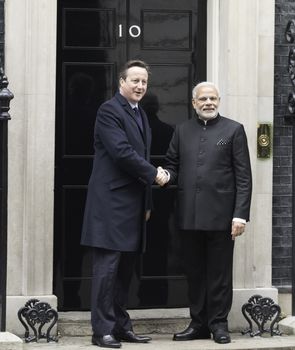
160	321
164	342
149	321
9	341
75	331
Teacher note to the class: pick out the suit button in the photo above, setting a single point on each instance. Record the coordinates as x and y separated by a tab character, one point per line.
198	190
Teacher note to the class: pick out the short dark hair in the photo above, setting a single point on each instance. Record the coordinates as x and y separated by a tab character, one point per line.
133	63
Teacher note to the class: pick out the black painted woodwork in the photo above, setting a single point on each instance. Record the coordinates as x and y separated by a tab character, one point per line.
93	43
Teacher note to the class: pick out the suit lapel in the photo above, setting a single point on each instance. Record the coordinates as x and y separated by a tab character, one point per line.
129	111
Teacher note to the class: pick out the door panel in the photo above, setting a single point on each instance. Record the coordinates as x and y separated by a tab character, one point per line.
94	39
86	86
178	37
170	80
79	22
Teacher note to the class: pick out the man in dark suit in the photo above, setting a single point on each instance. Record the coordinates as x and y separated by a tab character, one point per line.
118	204
208	157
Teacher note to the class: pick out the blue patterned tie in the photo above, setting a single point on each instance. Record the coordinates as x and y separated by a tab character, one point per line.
138	118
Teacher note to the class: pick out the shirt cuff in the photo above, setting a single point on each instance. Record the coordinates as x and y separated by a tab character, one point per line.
167	174
242	221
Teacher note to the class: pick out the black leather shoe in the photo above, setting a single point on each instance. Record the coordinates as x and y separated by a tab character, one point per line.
221	336
131	337
191	333
106	341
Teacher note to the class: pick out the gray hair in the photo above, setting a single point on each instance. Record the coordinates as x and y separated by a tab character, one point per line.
202	84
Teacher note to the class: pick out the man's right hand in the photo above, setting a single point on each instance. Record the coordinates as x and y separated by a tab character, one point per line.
161	178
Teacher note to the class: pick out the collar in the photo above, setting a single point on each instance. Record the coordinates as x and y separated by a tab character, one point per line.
208	122
125	101
132	105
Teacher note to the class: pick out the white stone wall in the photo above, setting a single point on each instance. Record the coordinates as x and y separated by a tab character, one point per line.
240	61
30	57
243	69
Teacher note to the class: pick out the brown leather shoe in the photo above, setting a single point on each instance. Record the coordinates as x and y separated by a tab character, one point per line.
191	333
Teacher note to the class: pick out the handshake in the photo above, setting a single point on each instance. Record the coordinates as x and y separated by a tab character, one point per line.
162	177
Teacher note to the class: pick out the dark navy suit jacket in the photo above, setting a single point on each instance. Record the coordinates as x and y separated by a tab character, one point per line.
119	189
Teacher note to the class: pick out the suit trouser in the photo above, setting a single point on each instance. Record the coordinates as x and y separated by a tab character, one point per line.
208	262
112	273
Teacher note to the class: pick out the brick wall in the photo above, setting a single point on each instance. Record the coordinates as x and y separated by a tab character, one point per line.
282	152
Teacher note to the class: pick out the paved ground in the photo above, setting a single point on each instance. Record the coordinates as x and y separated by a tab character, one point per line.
164	342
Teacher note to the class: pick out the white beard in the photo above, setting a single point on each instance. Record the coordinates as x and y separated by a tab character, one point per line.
206	115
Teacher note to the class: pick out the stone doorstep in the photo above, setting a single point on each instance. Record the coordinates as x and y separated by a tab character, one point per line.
164	320
74	329
9	341
161	321
150	321
164	342
287	325
141	327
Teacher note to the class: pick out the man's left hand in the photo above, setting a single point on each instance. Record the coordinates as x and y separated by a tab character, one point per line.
237	229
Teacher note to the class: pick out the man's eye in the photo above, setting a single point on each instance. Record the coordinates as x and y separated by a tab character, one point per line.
204	99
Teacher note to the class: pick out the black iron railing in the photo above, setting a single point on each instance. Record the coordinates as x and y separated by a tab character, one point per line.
5	97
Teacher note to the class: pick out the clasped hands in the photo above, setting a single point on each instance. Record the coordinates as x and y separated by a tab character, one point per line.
162	176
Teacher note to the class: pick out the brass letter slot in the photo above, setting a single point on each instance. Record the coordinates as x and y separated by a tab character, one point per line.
263	140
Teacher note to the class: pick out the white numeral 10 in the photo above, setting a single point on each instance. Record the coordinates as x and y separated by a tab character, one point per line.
134	31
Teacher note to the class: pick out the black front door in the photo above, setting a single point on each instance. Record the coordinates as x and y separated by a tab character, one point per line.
95	37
